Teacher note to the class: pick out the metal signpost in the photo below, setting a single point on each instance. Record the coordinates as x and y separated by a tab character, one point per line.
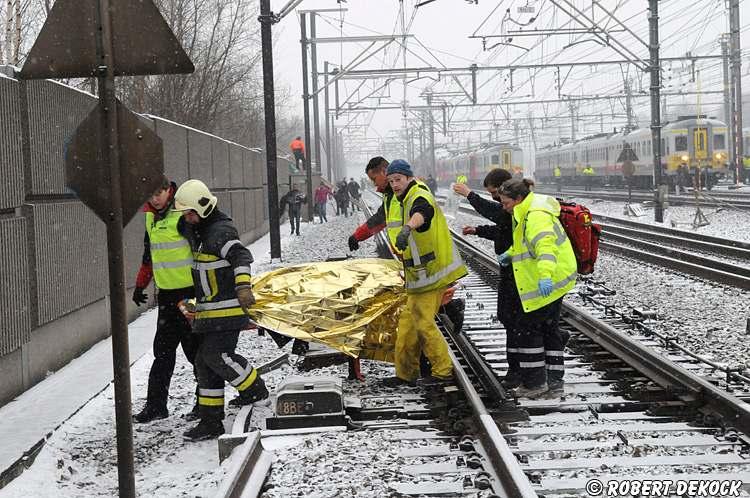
113	162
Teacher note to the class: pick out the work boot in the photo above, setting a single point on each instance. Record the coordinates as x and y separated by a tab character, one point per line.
397	382
425	368
531	392
207	428
556	387
149	414
511	382
432	381
455	311
300	347
193	414
256	394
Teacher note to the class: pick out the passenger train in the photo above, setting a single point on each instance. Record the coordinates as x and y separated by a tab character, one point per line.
696	141
475	164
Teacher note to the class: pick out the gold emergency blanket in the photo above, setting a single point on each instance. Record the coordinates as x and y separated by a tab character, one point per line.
352	305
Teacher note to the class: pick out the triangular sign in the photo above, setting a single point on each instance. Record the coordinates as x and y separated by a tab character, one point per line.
142	42
141	156
627	154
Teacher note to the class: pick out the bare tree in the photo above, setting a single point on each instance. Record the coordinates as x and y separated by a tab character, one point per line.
221	38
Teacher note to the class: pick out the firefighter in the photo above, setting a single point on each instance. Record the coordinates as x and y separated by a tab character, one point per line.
544	268
431	265
298	149
167	259
221	276
588	177
501	233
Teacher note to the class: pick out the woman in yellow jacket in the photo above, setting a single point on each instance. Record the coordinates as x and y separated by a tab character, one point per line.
544	267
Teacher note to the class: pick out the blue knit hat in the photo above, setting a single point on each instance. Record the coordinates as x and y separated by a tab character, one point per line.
399	166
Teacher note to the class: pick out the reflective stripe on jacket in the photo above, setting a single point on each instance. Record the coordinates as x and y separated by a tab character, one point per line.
431	260
171	256
221	263
541	249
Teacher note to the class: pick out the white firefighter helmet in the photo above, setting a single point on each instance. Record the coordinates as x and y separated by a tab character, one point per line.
193	194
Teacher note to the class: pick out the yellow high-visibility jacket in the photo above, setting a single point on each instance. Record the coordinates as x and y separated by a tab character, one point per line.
541	249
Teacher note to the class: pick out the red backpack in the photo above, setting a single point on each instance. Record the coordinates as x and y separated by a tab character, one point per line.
583	234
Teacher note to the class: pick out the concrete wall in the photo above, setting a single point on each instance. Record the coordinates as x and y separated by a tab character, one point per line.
54	296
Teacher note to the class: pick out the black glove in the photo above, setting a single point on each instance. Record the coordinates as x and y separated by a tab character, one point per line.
353	243
139	297
402	239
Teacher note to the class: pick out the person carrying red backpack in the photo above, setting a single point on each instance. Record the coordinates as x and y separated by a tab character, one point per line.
545	269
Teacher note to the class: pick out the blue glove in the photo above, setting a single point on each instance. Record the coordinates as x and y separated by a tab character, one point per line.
503	259
545	286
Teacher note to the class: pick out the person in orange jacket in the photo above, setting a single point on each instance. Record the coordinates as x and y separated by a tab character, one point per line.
298	149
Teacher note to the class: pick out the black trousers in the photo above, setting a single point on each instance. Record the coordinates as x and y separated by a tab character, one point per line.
216	363
299	157
541	345
508	310
172	329
294	217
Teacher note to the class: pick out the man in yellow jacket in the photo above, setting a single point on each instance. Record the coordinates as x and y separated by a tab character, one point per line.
544	267
431	265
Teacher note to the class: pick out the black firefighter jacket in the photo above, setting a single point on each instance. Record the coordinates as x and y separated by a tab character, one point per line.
220	262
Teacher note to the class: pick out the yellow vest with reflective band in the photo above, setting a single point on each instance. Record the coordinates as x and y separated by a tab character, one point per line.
394	222
588	171
541	249
746	162
557	172
431	260
171	256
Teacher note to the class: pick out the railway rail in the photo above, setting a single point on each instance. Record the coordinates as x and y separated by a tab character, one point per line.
706	199
634	407
702	256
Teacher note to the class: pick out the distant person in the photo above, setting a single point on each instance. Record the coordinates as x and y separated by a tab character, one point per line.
221	277
588	177
557	173
746	169
298	149
354	194
682	179
341	196
294	200
432	184
322	193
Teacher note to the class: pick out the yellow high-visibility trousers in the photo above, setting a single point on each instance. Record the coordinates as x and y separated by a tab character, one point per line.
418	333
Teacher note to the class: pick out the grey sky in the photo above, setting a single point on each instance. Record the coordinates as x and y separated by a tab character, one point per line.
444	25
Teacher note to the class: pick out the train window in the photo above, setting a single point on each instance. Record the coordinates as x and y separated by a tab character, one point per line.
719	141
680	143
495	159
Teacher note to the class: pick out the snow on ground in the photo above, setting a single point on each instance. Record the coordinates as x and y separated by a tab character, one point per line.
726	223
80	457
709	319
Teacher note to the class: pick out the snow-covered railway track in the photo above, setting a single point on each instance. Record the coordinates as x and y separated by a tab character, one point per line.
708	199
628	411
691	254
